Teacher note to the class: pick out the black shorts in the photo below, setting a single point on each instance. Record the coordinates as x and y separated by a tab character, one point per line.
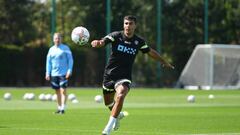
58	82
109	85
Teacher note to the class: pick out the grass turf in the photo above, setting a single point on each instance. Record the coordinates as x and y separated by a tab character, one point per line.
152	112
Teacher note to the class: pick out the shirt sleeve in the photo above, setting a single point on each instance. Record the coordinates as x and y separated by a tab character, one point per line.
110	37
48	64
145	48
70	61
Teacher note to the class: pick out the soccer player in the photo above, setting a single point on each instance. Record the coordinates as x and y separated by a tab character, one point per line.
59	65
117	75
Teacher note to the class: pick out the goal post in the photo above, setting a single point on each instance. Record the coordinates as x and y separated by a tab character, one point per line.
212	66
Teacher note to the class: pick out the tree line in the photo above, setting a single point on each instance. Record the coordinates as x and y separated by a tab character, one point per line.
25	36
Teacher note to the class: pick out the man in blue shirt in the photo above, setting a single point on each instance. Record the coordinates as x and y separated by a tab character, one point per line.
59	65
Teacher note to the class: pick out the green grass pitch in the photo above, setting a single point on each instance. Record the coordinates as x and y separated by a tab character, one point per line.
151	112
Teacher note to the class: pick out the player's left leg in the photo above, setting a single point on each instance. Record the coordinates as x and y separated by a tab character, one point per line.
63	99
121	92
57	92
55	85
122	88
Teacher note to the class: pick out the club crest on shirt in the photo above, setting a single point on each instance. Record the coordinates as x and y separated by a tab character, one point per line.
136	42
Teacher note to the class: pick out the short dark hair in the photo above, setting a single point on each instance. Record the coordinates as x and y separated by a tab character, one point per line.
131	18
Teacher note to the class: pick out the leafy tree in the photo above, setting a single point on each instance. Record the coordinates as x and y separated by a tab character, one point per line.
16	22
224	18
26	24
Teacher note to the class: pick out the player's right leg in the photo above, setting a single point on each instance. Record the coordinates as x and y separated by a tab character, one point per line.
55	85
109	99
121	87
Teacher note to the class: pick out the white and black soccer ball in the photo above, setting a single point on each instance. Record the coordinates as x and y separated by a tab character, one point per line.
191	98
211	96
54	97
71	97
41	97
98	99
7	96
31	96
48	97
25	96
80	35
75	101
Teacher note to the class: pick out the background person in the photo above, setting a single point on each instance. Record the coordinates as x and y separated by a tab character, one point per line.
59	65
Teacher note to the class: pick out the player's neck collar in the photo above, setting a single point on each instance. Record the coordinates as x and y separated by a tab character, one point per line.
58	45
126	37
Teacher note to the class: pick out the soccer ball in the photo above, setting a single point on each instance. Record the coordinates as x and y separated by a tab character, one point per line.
71	96
191	98
211	96
80	35
98	99
7	96
29	96
54	97
42	97
75	101
48	97
25	96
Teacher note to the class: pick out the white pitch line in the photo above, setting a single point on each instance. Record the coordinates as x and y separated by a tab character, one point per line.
125	132
53	129
214	134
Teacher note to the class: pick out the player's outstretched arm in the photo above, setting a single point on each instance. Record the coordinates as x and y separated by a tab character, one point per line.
155	55
97	43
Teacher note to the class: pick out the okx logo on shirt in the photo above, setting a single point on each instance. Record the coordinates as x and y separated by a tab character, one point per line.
125	49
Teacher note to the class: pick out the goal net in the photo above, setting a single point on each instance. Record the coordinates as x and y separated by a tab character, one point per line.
212	66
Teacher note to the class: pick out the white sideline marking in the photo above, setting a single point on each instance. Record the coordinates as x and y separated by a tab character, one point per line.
53	129
213	134
125	132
